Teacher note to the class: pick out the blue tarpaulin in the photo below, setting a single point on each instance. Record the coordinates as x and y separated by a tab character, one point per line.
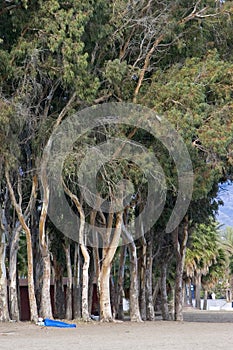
54	323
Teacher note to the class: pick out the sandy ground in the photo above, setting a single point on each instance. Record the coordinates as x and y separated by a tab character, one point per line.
213	332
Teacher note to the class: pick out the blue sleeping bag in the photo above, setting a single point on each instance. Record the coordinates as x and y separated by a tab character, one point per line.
54	323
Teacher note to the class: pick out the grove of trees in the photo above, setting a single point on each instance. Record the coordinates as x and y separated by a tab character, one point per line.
59	57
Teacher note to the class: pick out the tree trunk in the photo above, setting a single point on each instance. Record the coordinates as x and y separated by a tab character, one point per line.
95	254
198	291
113	298
85	269
31	291
134	304
142	299
85	282
69	282
163	289
178	292
120	284
104	286
45	306
205	299
190	292
4	312
13	290
150	314
91	284
105	304
184	294
59	298
156	290
180	249
77	284
36	251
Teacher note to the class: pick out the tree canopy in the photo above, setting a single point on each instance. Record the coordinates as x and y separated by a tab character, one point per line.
57	58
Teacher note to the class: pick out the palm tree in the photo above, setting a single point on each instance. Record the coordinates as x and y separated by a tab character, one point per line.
202	253
227	245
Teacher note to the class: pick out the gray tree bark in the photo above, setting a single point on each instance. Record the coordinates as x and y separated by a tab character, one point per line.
142	298
77	297
4	312
180	250
134	290
21	217
163	289
13	290
69	282
150	314
120	283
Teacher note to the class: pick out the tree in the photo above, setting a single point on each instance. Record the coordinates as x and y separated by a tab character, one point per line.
59	57
204	253
4	314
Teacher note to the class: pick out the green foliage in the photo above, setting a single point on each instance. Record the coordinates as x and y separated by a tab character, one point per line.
51	48
196	97
205	254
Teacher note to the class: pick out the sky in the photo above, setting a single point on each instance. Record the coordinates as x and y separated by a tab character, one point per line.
225	216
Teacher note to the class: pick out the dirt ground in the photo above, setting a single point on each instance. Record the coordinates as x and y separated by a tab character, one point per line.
214	331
